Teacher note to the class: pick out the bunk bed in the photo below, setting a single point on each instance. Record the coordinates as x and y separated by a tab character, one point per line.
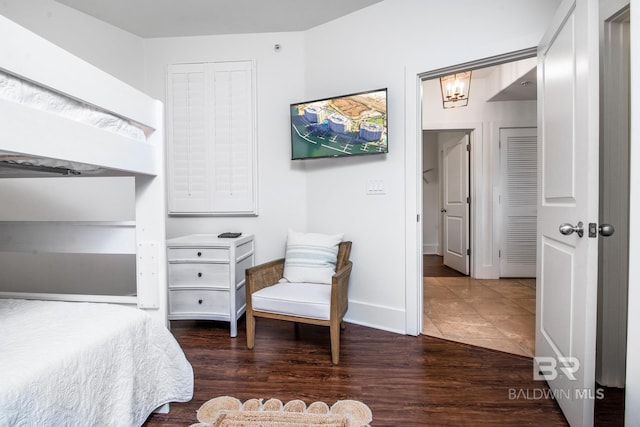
83	305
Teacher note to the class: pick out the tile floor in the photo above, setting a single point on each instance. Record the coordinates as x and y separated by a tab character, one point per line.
496	314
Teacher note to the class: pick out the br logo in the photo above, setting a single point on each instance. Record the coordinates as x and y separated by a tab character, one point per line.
549	368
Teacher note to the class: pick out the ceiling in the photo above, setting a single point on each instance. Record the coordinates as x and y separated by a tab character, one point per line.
524	88
174	18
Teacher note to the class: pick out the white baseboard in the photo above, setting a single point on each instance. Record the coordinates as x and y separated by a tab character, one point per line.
430	249
376	316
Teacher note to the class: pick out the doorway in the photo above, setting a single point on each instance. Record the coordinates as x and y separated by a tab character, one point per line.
500	118
481	309
618	27
445	199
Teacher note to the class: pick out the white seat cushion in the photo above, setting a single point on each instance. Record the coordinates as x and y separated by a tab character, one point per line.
294	299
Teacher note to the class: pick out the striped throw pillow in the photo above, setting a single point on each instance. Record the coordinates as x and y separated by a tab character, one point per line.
311	257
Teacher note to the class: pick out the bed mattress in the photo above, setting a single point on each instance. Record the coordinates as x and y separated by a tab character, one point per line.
26	93
79	364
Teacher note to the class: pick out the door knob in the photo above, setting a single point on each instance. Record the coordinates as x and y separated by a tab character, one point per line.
568	229
443	210
606	229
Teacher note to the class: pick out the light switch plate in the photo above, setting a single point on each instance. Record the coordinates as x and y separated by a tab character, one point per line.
376	187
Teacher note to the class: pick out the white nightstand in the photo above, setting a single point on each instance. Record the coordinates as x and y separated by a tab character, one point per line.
206	277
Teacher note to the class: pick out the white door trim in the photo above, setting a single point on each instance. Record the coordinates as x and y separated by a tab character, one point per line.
632	391
613	266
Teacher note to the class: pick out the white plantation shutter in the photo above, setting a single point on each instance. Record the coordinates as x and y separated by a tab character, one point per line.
232	136
518	152
211	143
189	190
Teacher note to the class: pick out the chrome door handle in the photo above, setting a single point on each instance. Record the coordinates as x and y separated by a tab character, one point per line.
606	229
568	229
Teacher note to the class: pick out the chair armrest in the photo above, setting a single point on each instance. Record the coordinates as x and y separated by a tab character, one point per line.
340	290
263	275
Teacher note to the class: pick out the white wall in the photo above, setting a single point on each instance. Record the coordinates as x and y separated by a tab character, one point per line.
109	48
282	200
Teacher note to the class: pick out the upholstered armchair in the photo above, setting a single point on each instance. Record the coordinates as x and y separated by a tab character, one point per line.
270	294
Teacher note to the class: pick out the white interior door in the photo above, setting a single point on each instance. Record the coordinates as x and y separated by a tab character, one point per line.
455	210
518	201
566	291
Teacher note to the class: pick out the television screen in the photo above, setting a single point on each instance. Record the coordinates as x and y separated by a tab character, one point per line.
347	125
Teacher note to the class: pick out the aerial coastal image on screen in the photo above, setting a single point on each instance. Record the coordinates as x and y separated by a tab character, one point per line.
348	125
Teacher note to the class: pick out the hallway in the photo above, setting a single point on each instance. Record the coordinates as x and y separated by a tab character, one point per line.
495	314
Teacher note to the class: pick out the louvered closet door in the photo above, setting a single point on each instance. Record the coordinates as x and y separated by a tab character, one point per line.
518	167
232	132
189	176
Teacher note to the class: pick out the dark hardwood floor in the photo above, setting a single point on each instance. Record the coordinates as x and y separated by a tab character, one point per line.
609	411
405	380
432	266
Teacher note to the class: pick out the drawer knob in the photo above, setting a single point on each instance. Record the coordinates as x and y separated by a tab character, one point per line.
199	274
199	301
199	253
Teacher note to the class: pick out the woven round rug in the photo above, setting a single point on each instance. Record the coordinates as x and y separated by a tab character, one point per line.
226	411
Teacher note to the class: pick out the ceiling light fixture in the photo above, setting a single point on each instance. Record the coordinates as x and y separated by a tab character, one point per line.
455	89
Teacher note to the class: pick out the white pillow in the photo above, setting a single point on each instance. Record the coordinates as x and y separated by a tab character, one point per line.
311	257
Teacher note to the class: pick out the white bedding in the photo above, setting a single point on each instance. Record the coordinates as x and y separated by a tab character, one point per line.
80	364
23	92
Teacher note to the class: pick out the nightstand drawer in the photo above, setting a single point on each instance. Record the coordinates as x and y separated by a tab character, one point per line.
198	254
206	302
244	249
190	275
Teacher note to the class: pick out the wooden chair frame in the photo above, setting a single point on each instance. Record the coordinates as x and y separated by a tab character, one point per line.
268	274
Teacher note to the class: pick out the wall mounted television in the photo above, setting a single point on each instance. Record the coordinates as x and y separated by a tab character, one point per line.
340	126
